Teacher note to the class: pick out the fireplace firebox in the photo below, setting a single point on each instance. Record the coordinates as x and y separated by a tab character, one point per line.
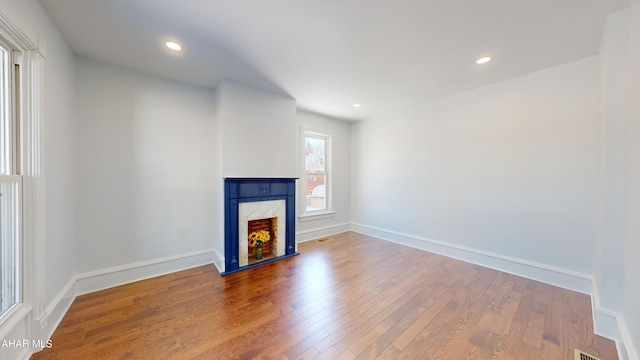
253	208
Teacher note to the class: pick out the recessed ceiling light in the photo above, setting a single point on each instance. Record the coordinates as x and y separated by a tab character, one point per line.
483	60
173	46
356	105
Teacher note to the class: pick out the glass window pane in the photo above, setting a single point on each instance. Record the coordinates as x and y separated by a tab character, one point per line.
316	173
315	154
316	192
9	193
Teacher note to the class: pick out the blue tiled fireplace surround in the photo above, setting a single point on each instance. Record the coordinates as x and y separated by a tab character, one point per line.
238	190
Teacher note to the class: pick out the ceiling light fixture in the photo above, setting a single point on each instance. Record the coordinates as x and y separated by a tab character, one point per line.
356	105
173	46
483	60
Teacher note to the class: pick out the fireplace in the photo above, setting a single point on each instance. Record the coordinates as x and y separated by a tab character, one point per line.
254	216
258	205
269	247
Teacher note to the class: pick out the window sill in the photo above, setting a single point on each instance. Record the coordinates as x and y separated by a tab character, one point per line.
317	216
14	315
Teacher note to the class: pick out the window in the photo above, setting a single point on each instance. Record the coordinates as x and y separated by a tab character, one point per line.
10	184
317	152
9	244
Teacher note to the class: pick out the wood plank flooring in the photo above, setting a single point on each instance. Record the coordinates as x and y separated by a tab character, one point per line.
350	297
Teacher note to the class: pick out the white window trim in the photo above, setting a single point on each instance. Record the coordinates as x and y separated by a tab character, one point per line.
17	180
31	59
329	211
320	214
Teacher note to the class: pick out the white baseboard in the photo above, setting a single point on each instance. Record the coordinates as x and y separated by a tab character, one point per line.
56	310
312	234
629	347
103	279
607	323
120	275
611	325
564	278
218	261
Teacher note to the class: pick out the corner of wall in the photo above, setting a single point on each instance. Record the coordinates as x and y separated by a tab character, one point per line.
218	261
626	346
605	321
58	307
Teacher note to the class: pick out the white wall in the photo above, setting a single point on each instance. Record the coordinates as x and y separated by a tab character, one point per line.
57	199
612	118
508	168
216	160
631	296
313	227
259	132
146	173
617	247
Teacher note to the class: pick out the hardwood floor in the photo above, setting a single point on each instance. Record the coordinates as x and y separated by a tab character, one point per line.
350	297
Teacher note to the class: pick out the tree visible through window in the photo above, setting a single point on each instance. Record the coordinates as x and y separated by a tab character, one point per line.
316	172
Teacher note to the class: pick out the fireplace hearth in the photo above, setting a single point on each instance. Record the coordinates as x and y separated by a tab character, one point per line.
253	204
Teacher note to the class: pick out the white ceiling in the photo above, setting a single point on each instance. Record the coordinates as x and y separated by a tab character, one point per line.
329	54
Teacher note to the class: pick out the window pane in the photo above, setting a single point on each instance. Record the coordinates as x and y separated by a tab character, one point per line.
5	128
317	196
316	192
9	197
315	153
